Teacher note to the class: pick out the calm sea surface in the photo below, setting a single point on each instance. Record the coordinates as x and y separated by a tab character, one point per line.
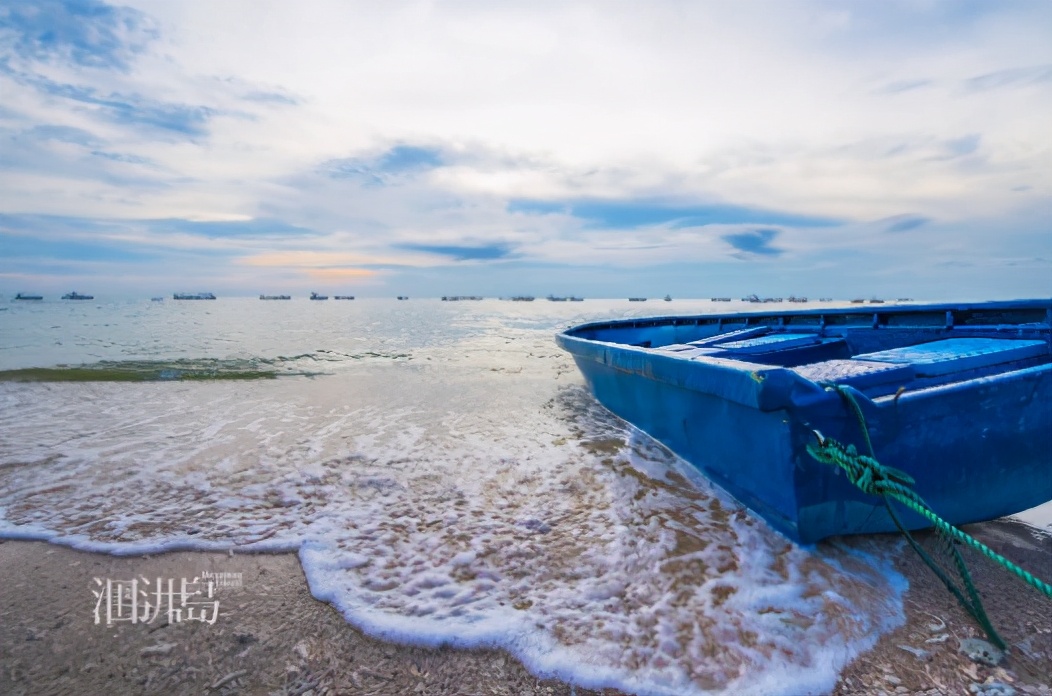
442	472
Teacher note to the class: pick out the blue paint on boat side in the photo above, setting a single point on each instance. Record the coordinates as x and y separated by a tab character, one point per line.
958	396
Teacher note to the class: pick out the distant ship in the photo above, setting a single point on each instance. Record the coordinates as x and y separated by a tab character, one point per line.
720	299
403	297
576	299
193	296
553	298
793	298
156	299
637	299
77	296
275	297
316	296
343	297
668	298
22	296
522	298
458	298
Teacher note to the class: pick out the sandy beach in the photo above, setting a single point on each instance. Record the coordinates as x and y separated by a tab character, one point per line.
271	636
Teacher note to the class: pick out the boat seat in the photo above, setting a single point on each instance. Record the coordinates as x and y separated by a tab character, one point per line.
738	335
860	374
958	354
686	350
771	342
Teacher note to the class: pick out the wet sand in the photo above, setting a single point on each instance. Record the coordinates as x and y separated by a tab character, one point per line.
272	637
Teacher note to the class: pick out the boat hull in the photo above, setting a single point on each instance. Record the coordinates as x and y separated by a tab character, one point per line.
978	447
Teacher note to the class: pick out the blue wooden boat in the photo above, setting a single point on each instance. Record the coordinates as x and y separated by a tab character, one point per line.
957	396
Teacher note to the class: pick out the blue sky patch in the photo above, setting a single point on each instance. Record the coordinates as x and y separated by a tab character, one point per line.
966	145
82	32
904	223
755	242
135	110
259	227
1009	78
484	252
271	98
37	249
350	168
124	109
41	225
401	159
631	214
900	86
123	157
532	207
65	134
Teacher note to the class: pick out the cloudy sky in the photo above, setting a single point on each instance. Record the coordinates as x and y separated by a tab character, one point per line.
598	148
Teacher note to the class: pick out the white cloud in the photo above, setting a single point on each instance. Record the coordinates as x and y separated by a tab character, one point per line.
668	85
860	111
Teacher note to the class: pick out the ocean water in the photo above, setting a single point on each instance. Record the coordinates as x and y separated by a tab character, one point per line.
443	474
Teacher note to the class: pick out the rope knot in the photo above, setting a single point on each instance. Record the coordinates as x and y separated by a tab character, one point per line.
865	472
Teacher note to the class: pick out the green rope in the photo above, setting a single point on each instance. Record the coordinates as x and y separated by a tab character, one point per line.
979	546
876	479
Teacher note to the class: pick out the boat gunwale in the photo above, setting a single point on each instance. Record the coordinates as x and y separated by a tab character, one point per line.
760	385
758	317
